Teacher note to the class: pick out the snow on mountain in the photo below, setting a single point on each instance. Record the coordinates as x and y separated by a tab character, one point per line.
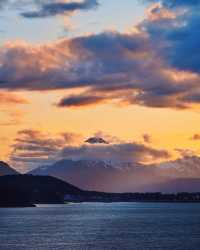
115	176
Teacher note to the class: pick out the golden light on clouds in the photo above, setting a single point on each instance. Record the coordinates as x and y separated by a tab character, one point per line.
125	83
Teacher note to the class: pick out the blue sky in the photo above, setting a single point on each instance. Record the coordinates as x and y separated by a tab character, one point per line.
110	14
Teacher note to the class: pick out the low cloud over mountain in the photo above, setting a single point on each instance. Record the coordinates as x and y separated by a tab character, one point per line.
32	148
96	164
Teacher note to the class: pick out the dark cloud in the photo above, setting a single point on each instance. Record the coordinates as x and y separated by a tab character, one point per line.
114	66
53	8
96	140
80	101
178	36
157	66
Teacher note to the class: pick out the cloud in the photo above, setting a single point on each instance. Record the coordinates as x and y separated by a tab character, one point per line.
112	66
80	101
10	98
3	2
156	65
34	9
185	167
185	152
156	12
12	117
53	8
178	36
72	138
10	113
176	3
196	137
33	148
147	138
127	152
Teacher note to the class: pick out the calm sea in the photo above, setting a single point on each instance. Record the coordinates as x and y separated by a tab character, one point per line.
99	226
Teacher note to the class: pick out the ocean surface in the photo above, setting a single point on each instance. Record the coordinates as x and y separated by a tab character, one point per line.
100	226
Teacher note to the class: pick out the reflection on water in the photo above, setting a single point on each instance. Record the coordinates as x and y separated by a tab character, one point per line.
100	226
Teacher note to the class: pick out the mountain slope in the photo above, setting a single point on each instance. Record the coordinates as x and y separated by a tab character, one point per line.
89	175
26	190
5	169
102	176
126	177
34	189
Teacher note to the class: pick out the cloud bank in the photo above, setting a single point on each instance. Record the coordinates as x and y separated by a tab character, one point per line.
33	148
156	65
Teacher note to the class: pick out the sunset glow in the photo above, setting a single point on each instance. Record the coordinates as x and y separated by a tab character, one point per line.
119	69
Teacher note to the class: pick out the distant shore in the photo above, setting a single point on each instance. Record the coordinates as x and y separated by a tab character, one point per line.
27	190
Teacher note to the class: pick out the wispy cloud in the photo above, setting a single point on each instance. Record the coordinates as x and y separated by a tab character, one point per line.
10	98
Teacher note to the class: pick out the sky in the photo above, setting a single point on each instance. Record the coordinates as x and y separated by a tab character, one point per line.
124	71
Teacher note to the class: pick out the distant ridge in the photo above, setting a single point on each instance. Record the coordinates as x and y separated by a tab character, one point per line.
5	169
189	185
111	177
28	190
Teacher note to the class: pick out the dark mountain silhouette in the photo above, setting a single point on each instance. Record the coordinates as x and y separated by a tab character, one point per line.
38	188
26	190
22	189
5	169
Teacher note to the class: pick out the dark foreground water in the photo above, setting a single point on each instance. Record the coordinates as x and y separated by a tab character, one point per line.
119	226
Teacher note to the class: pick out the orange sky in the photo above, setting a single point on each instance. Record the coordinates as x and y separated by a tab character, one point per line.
169	129
115	77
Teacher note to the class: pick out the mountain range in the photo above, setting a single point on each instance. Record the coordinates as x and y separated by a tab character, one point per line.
127	177
182	175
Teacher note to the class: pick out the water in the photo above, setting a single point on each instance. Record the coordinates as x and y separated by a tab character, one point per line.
95	226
